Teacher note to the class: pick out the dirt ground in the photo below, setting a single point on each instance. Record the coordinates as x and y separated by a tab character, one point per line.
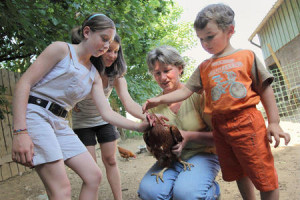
287	160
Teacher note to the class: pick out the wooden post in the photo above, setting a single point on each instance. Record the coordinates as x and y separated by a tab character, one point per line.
279	66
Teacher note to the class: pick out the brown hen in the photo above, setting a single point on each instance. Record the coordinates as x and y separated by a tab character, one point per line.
160	139
124	153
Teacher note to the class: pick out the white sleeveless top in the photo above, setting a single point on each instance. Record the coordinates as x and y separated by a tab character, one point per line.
88	115
67	83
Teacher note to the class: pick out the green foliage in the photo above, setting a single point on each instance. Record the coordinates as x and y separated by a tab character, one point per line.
157	25
189	69
132	134
27	27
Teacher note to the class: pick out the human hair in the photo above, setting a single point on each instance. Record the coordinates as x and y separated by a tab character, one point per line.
220	13
96	22
165	55
119	67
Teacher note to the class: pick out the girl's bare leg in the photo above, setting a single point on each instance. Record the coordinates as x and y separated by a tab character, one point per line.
92	151
86	167
108	152
55	180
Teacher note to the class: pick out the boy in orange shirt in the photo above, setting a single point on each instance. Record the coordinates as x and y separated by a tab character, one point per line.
234	82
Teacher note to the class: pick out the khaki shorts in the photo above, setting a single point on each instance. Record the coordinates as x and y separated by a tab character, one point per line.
243	148
51	135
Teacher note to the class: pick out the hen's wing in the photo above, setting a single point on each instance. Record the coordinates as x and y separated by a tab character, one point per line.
146	138
177	137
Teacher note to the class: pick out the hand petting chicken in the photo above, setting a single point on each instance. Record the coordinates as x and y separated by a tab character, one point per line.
160	139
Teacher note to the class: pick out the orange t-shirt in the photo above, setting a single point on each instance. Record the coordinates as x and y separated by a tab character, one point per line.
231	82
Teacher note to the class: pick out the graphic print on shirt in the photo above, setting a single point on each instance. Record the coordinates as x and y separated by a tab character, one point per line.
236	89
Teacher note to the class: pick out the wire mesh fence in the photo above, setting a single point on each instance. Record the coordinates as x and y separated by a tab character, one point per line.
286	88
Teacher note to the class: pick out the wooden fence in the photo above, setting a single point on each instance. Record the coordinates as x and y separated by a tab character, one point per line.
8	168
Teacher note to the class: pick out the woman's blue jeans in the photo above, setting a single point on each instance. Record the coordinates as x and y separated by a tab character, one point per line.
199	183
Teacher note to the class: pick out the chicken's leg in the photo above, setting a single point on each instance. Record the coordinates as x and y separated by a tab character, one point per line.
159	174
185	164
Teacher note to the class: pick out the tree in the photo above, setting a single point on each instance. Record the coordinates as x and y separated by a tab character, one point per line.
28	26
156	24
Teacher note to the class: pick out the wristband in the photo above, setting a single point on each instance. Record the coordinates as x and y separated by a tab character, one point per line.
20	131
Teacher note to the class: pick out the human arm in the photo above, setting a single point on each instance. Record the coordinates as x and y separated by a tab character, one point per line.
261	83
175	96
199	137
22	146
195	125
130	105
108	114
274	129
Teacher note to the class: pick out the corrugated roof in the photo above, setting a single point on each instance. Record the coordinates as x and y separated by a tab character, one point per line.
270	13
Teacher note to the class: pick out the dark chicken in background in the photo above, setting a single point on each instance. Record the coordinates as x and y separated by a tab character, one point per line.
160	139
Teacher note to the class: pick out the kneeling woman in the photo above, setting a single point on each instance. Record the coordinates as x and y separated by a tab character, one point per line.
166	65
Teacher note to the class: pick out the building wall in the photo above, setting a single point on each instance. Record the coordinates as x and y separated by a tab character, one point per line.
282	32
281	28
289	58
290	53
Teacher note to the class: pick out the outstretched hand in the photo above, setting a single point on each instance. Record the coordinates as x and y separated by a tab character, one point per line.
154	118
143	126
276	131
150	103
177	149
